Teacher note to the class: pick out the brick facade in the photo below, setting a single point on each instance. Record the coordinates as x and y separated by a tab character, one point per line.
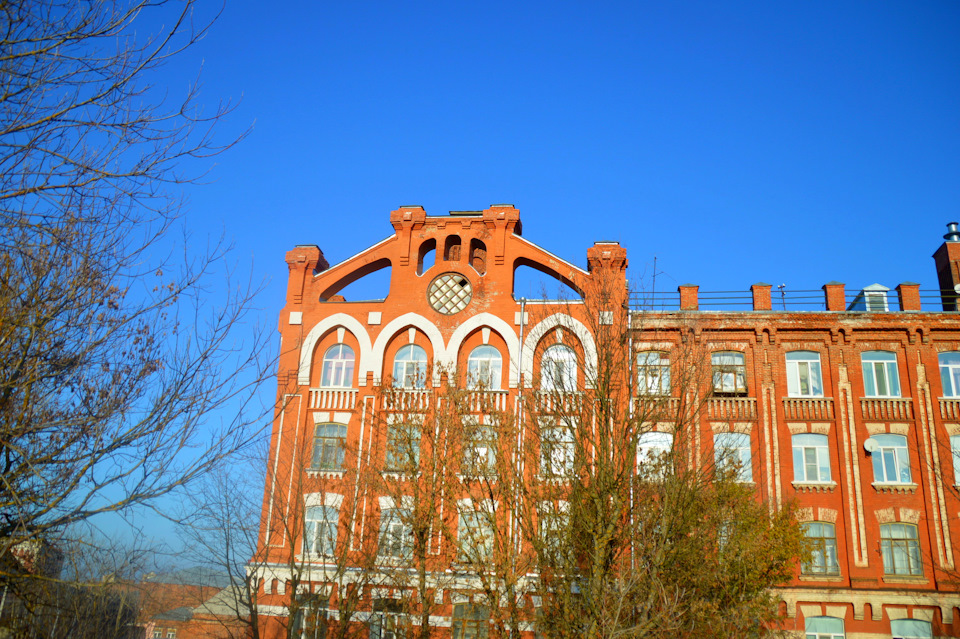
818	388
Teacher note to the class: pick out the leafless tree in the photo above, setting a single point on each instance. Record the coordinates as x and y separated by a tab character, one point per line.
122	374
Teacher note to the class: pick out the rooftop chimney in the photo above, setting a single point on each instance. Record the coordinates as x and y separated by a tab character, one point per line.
947	259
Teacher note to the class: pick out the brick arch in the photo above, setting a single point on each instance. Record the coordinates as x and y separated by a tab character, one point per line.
496	324
576	327
322	328
395	326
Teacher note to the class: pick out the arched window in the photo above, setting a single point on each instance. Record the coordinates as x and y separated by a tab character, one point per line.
950	373
328	446
484	368
880	376
729	373
823	628
822	542
558	369
410	367
910	629
337	367
900	548
891	461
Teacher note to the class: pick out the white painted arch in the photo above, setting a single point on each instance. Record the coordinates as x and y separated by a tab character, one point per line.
322	328
395	326
576	327
499	326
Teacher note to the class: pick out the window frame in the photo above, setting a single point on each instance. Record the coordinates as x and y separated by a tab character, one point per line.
402	447
955	458
729	448
479	436
492	359
885	363
337	369
907	629
823	549
556	368
735	372
470	621
328	441
895	549
475	532
557	453
949	373
802	364
314	526
802	444
395	523
410	367
892	448
653	375
824	631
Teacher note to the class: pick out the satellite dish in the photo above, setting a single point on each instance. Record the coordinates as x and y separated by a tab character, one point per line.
871	445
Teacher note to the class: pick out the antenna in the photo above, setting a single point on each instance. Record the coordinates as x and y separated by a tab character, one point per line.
783	296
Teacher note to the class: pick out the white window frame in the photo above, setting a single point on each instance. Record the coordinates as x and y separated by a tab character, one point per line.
804	375
410	367
337	369
479	447
822	540
396	533
734	448
653	373
403	446
910	629
955	454
553	522
485	368
891	461
729	370
475	534
652	448
811	456
557	448
950	373
824	628
320	530
880	373
328	438
900	549
558	369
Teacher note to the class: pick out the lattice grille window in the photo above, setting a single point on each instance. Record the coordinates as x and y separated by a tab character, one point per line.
449	293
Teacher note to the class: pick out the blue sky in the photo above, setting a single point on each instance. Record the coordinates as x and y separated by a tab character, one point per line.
789	142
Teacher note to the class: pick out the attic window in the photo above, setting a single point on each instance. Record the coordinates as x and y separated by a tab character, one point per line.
876	300
872	299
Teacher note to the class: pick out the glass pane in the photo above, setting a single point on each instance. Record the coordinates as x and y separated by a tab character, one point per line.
955	377
816	383
803	372
880	374
893	379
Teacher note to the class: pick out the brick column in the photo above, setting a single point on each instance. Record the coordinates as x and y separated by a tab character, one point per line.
909	294
833	293
761	296
688	297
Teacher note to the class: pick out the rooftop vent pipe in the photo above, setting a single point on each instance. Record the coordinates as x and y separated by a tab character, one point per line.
953	234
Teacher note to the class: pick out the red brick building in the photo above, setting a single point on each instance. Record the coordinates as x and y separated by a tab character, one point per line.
848	403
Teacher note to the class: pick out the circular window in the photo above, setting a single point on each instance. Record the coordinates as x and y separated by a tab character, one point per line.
449	293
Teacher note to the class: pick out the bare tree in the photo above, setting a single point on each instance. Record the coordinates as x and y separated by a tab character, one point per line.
122	377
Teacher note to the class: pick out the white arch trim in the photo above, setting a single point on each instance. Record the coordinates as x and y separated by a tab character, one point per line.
576	327
502	328
319	330
391	329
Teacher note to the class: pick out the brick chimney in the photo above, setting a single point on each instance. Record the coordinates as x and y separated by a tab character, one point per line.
947	259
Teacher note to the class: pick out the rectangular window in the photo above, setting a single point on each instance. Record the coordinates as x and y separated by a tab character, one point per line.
554	524
387	621
910	629
732	450
823	628
403	447
471	621
475	536
880	375
320	530
729	373
396	533
950	374
822	540
803	374
811	458
900	548
955	454
479	448
653	374
557	449
328	446
891	461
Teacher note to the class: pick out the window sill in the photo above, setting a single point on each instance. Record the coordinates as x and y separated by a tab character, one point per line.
892	487
325	474
824	577
904	579
396	475
814	486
